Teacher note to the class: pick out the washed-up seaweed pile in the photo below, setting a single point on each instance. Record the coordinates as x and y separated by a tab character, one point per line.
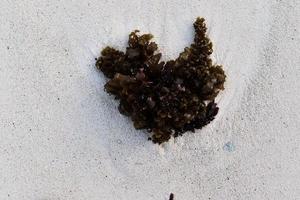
165	98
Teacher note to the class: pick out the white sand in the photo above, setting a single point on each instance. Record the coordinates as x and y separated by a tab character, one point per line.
62	138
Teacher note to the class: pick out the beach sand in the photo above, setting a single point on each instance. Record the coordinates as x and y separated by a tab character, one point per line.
62	137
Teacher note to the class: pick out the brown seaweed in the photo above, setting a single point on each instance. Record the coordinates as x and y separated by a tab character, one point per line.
166	98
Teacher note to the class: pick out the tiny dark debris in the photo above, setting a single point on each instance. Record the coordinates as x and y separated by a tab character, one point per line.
171	196
165	98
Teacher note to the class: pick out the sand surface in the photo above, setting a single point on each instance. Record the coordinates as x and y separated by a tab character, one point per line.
62	138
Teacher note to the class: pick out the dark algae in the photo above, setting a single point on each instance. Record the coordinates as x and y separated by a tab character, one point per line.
165	98
171	196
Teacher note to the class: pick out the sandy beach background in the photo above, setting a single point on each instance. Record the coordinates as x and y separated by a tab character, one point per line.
62	138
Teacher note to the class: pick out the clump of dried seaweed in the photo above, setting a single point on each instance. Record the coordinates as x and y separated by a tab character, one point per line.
166	98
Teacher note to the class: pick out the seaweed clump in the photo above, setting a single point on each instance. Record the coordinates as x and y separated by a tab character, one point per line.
166	98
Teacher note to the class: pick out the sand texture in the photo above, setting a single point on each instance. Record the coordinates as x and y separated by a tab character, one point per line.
62	137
